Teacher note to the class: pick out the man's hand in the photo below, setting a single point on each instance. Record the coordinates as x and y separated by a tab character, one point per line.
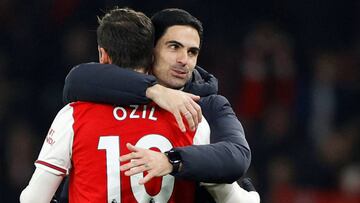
141	160
178	103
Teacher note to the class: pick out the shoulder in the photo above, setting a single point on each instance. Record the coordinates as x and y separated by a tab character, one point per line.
63	117
90	107
62	123
215	107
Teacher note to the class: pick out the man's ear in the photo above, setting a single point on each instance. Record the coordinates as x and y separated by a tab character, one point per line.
103	56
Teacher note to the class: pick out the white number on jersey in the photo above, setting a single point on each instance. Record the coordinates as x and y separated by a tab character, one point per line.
111	145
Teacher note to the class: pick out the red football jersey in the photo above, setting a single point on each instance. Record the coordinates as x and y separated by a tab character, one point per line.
86	140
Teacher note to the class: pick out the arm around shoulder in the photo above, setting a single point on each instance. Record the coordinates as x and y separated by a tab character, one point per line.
106	83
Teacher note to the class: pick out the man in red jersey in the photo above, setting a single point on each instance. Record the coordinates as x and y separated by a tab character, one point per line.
86	139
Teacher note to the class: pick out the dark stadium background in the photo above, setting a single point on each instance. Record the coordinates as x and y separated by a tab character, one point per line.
289	68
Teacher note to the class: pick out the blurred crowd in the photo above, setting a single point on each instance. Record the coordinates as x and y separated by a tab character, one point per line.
291	70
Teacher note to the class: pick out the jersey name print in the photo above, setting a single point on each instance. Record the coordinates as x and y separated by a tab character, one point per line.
120	113
89	138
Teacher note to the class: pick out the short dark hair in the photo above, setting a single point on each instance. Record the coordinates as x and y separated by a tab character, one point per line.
166	18
128	37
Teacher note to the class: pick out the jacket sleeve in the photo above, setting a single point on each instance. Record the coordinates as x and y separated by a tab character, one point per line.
228	157
106	83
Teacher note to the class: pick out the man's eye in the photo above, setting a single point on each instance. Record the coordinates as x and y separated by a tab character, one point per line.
193	53
174	46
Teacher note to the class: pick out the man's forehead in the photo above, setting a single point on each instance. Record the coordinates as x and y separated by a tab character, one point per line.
184	34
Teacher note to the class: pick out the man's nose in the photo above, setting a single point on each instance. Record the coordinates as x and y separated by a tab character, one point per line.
182	57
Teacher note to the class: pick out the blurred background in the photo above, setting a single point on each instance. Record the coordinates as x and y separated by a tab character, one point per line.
289	68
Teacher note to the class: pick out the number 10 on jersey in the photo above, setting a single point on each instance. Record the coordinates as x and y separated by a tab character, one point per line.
111	145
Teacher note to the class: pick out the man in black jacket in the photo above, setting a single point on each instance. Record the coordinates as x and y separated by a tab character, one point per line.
178	39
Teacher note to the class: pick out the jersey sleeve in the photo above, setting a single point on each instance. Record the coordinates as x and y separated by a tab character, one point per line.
228	193
106	83
41	188
55	154
228	156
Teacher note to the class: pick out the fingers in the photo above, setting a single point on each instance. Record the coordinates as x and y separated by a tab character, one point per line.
198	110
194	99
127	157
132	147
187	111
196	113
134	163
141	169
193	114
179	121
133	155
135	170
146	179
193	96
155	163
137	163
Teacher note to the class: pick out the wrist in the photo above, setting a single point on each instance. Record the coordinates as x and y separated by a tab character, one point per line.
154	91
175	160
